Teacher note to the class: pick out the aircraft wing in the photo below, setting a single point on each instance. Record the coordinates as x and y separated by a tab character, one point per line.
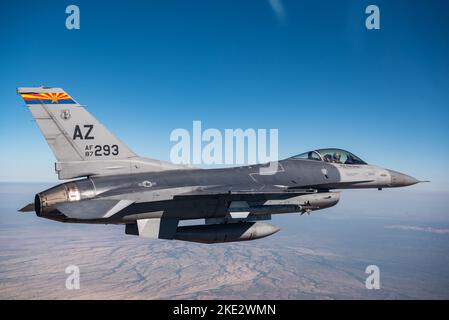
269	192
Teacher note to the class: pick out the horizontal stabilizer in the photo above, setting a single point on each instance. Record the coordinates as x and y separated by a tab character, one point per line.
92	209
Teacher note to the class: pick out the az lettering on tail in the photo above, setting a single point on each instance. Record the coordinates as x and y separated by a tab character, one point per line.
77	134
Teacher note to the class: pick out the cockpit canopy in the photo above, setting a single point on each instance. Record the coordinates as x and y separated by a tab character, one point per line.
331	155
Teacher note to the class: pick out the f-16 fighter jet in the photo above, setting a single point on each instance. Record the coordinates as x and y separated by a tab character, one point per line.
110	184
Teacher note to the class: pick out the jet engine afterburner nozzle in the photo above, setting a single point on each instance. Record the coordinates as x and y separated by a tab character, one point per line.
66	192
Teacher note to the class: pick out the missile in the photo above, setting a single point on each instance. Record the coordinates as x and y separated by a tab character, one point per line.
306	203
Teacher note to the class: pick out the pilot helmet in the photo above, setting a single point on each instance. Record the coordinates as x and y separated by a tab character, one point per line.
337	155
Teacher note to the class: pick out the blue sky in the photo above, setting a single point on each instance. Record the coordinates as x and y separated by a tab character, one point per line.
317	74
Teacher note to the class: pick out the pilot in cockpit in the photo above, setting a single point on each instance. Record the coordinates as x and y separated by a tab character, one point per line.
332	156
336	157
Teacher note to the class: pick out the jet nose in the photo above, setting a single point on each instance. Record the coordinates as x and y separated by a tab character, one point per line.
401	180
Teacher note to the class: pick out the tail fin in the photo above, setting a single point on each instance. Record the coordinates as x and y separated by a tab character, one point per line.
71	131
81	144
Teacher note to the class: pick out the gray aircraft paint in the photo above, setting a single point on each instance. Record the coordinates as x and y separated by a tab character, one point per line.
150	196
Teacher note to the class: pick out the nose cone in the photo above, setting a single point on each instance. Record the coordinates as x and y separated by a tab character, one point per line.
401	180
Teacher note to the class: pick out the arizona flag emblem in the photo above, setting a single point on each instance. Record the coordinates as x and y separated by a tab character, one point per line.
47	98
